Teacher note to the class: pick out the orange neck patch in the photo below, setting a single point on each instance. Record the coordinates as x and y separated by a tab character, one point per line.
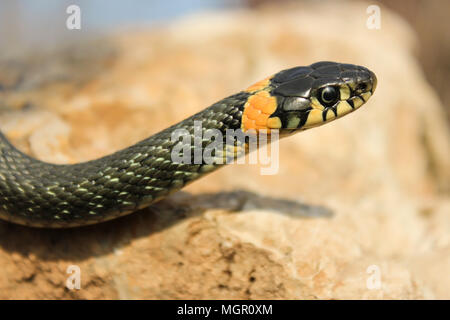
260	85
257	111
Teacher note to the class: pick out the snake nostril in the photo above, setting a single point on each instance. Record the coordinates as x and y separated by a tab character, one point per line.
361	87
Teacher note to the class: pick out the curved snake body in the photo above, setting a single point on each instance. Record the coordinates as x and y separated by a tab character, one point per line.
40	194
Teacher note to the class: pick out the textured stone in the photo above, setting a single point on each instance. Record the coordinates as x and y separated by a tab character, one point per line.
367	192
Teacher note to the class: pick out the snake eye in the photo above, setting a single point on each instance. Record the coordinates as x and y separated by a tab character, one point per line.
328	96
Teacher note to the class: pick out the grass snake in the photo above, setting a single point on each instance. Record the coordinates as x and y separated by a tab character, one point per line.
39	194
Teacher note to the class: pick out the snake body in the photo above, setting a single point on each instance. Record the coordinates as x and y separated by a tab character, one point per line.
40	194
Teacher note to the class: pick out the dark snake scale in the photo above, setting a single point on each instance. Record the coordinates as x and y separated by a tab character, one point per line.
40	194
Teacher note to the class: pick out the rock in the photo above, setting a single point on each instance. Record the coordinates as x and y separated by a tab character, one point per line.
359	208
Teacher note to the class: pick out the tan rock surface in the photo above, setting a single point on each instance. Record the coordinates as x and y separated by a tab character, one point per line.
367	192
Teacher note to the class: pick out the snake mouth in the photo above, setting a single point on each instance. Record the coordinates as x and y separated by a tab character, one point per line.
352	96
316	114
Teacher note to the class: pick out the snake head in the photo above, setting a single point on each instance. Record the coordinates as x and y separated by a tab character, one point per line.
305	97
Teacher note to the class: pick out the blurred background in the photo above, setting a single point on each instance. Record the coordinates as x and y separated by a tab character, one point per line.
28	23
